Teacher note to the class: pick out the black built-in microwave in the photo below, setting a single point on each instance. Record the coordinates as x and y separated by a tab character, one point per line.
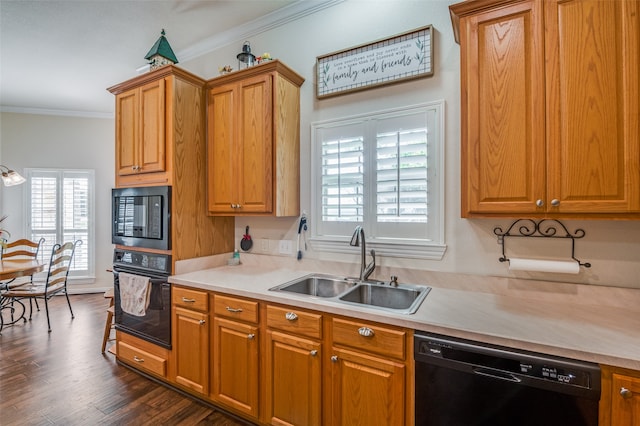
141	217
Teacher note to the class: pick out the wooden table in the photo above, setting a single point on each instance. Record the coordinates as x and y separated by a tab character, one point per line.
9	270
15	268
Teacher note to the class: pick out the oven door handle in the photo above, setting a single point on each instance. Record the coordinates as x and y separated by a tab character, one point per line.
500	375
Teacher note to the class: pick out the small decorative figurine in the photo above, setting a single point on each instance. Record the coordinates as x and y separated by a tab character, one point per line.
225	70
161	53
246	57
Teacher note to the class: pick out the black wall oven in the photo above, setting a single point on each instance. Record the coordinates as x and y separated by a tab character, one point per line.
155	324
142	217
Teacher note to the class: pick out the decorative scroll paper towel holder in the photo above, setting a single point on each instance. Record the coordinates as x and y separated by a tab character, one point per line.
545	228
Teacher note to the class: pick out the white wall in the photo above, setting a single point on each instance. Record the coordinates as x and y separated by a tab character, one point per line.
46	141
613	247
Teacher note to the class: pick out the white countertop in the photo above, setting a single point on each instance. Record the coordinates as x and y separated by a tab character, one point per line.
569	325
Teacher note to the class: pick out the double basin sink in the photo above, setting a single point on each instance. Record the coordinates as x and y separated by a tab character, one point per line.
398	298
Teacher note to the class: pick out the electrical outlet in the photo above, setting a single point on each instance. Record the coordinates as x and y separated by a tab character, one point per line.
264	245
285	247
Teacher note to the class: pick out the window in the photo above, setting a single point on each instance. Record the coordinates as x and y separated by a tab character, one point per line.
381	171
61	203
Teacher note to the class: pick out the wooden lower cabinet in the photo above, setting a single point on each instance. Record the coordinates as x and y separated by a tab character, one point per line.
366	390
235	365
281	365
142	355
293	367
620	399
190	349
371	374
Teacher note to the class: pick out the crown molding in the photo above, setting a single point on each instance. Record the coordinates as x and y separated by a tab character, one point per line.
275	19
57	112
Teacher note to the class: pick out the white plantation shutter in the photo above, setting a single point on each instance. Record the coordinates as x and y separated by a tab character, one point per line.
342	180
61	206
380	171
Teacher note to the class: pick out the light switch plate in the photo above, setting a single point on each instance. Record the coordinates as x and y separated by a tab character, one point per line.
285	247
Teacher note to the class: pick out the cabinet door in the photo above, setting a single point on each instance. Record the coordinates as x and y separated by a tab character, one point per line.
152	127
502	74
140	130
366	390
625	400
593	57
235	365
255	167
293	387
191	345
126	132
221	149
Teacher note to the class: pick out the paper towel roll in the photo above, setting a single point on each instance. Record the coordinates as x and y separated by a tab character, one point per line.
538	265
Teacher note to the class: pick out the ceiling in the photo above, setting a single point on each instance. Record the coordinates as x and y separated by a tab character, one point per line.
60	56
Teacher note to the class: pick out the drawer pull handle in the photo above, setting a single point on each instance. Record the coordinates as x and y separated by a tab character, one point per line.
202	322
185	300
251	336
334	358
366	332
313	352
136	359
291	316
626	393
234	310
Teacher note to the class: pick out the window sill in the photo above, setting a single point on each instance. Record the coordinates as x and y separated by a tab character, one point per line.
400	249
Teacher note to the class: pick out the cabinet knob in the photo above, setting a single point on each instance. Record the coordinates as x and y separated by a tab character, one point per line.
539	203
626	393
313	352
555	202
334	358
201	322
366	332
291	316
251	336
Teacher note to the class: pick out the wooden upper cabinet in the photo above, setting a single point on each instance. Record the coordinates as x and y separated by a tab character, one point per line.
550	106
253	142
240	147
593	53
140	130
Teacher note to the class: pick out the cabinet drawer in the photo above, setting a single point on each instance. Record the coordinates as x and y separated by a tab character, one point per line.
142	359
236	308
191	299
381	340
294	321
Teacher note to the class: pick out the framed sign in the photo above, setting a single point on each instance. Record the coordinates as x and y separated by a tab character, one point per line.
399	58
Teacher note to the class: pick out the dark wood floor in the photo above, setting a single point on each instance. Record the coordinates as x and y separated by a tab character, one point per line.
61	378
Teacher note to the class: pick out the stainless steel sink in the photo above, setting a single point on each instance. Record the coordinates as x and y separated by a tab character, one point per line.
403	298
317	285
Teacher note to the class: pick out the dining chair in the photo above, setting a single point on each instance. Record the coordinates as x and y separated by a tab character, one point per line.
56	281
20	249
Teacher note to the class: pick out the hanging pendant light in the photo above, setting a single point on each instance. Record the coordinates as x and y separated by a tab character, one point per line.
11	177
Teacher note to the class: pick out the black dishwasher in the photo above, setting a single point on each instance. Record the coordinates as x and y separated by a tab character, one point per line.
465	383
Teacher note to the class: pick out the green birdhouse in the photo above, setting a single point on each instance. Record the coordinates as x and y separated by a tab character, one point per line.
161	53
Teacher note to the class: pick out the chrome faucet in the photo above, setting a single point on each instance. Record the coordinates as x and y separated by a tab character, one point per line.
358	240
